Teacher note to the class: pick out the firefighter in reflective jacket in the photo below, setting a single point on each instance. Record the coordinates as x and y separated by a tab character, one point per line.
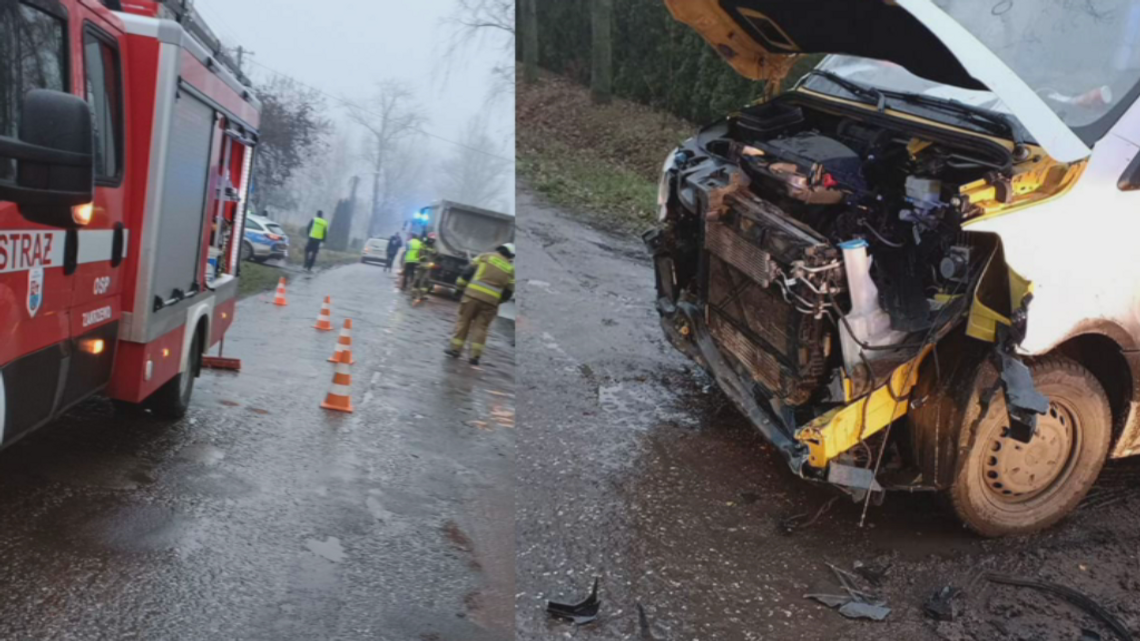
422	283
488	282
411	261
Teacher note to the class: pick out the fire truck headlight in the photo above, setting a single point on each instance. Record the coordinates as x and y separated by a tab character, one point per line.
95	346
81	214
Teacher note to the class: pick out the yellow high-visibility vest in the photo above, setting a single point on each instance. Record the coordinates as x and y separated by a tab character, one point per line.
413	253
320	228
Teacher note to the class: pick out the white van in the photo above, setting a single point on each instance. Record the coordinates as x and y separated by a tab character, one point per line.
917	268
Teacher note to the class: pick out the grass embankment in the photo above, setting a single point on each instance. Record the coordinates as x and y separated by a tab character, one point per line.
600	161
257	278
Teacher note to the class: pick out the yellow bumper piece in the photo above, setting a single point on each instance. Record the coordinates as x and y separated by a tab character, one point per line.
843	428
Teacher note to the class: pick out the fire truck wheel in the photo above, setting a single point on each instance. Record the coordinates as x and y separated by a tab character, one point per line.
246	251
1006	487
172	400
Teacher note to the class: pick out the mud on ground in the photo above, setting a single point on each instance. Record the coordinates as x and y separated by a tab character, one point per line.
634	468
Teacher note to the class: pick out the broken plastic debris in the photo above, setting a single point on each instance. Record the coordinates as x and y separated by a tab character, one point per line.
855	604
1023	401
578	613
941	606
863	610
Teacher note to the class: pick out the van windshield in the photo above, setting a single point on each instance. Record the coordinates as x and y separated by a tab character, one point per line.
1081	56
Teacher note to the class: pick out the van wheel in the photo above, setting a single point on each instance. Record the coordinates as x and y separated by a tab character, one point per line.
1005	487
172	400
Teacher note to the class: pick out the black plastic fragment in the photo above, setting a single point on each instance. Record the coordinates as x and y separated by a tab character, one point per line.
1023	402
941	605
577	613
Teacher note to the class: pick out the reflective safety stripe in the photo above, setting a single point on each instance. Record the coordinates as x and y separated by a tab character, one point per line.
497	290
502	264
340	390
476	287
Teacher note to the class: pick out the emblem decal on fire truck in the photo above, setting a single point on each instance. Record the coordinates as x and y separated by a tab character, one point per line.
35	290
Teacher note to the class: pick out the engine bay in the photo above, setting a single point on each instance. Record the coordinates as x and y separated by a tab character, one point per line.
827	247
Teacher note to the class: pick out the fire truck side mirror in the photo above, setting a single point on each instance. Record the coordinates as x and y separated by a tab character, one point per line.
55	169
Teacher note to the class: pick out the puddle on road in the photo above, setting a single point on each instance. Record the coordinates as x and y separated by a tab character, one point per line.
641	405
203	454
329	549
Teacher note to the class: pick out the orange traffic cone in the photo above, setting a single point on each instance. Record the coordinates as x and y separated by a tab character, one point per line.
324	320
279	300
338	398
344	343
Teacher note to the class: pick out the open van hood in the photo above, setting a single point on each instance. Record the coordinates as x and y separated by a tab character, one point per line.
760	39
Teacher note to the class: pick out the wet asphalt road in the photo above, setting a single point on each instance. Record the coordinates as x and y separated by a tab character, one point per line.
262	516
633	468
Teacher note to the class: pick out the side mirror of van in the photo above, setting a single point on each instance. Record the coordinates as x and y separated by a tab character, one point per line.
55	169
1130	179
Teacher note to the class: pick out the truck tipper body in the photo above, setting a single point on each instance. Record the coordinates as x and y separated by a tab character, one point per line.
462	233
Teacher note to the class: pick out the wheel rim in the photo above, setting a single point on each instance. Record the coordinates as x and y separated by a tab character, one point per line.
1016	472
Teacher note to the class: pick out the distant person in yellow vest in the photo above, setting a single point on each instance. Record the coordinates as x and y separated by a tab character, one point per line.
318	230
487	282
421	285
411	261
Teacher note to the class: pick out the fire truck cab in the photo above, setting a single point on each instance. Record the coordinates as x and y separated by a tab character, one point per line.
126	142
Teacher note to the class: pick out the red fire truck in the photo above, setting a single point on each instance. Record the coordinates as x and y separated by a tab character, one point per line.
126	140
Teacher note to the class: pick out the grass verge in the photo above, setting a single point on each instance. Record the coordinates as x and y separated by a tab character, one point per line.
257	277
602	162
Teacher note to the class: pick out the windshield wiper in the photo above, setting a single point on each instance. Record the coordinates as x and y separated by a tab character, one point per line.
993	121
852	87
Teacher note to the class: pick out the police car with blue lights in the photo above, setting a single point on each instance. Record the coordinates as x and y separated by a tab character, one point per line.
263	240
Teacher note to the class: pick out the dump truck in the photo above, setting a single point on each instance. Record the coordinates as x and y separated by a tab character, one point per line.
462	233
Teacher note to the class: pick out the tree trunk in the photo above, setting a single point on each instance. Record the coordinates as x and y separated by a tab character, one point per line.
530	41
602	76
375	213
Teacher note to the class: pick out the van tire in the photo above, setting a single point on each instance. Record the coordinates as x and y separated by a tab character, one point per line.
172	400
1003	487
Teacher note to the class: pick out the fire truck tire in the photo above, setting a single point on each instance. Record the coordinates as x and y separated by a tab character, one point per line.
1004	487
246	250
172	400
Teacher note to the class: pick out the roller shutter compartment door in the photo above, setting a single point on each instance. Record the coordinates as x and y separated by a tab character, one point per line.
182	218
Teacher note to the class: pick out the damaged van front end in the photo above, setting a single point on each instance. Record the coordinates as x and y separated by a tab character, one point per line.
914	269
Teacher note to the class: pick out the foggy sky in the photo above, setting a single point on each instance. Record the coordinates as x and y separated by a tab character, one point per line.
343	46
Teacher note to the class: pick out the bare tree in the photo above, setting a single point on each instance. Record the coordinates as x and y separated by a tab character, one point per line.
480	20
473	178
392	115
486	14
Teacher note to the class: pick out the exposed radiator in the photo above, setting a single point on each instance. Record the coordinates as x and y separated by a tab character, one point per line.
785	351
754	262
